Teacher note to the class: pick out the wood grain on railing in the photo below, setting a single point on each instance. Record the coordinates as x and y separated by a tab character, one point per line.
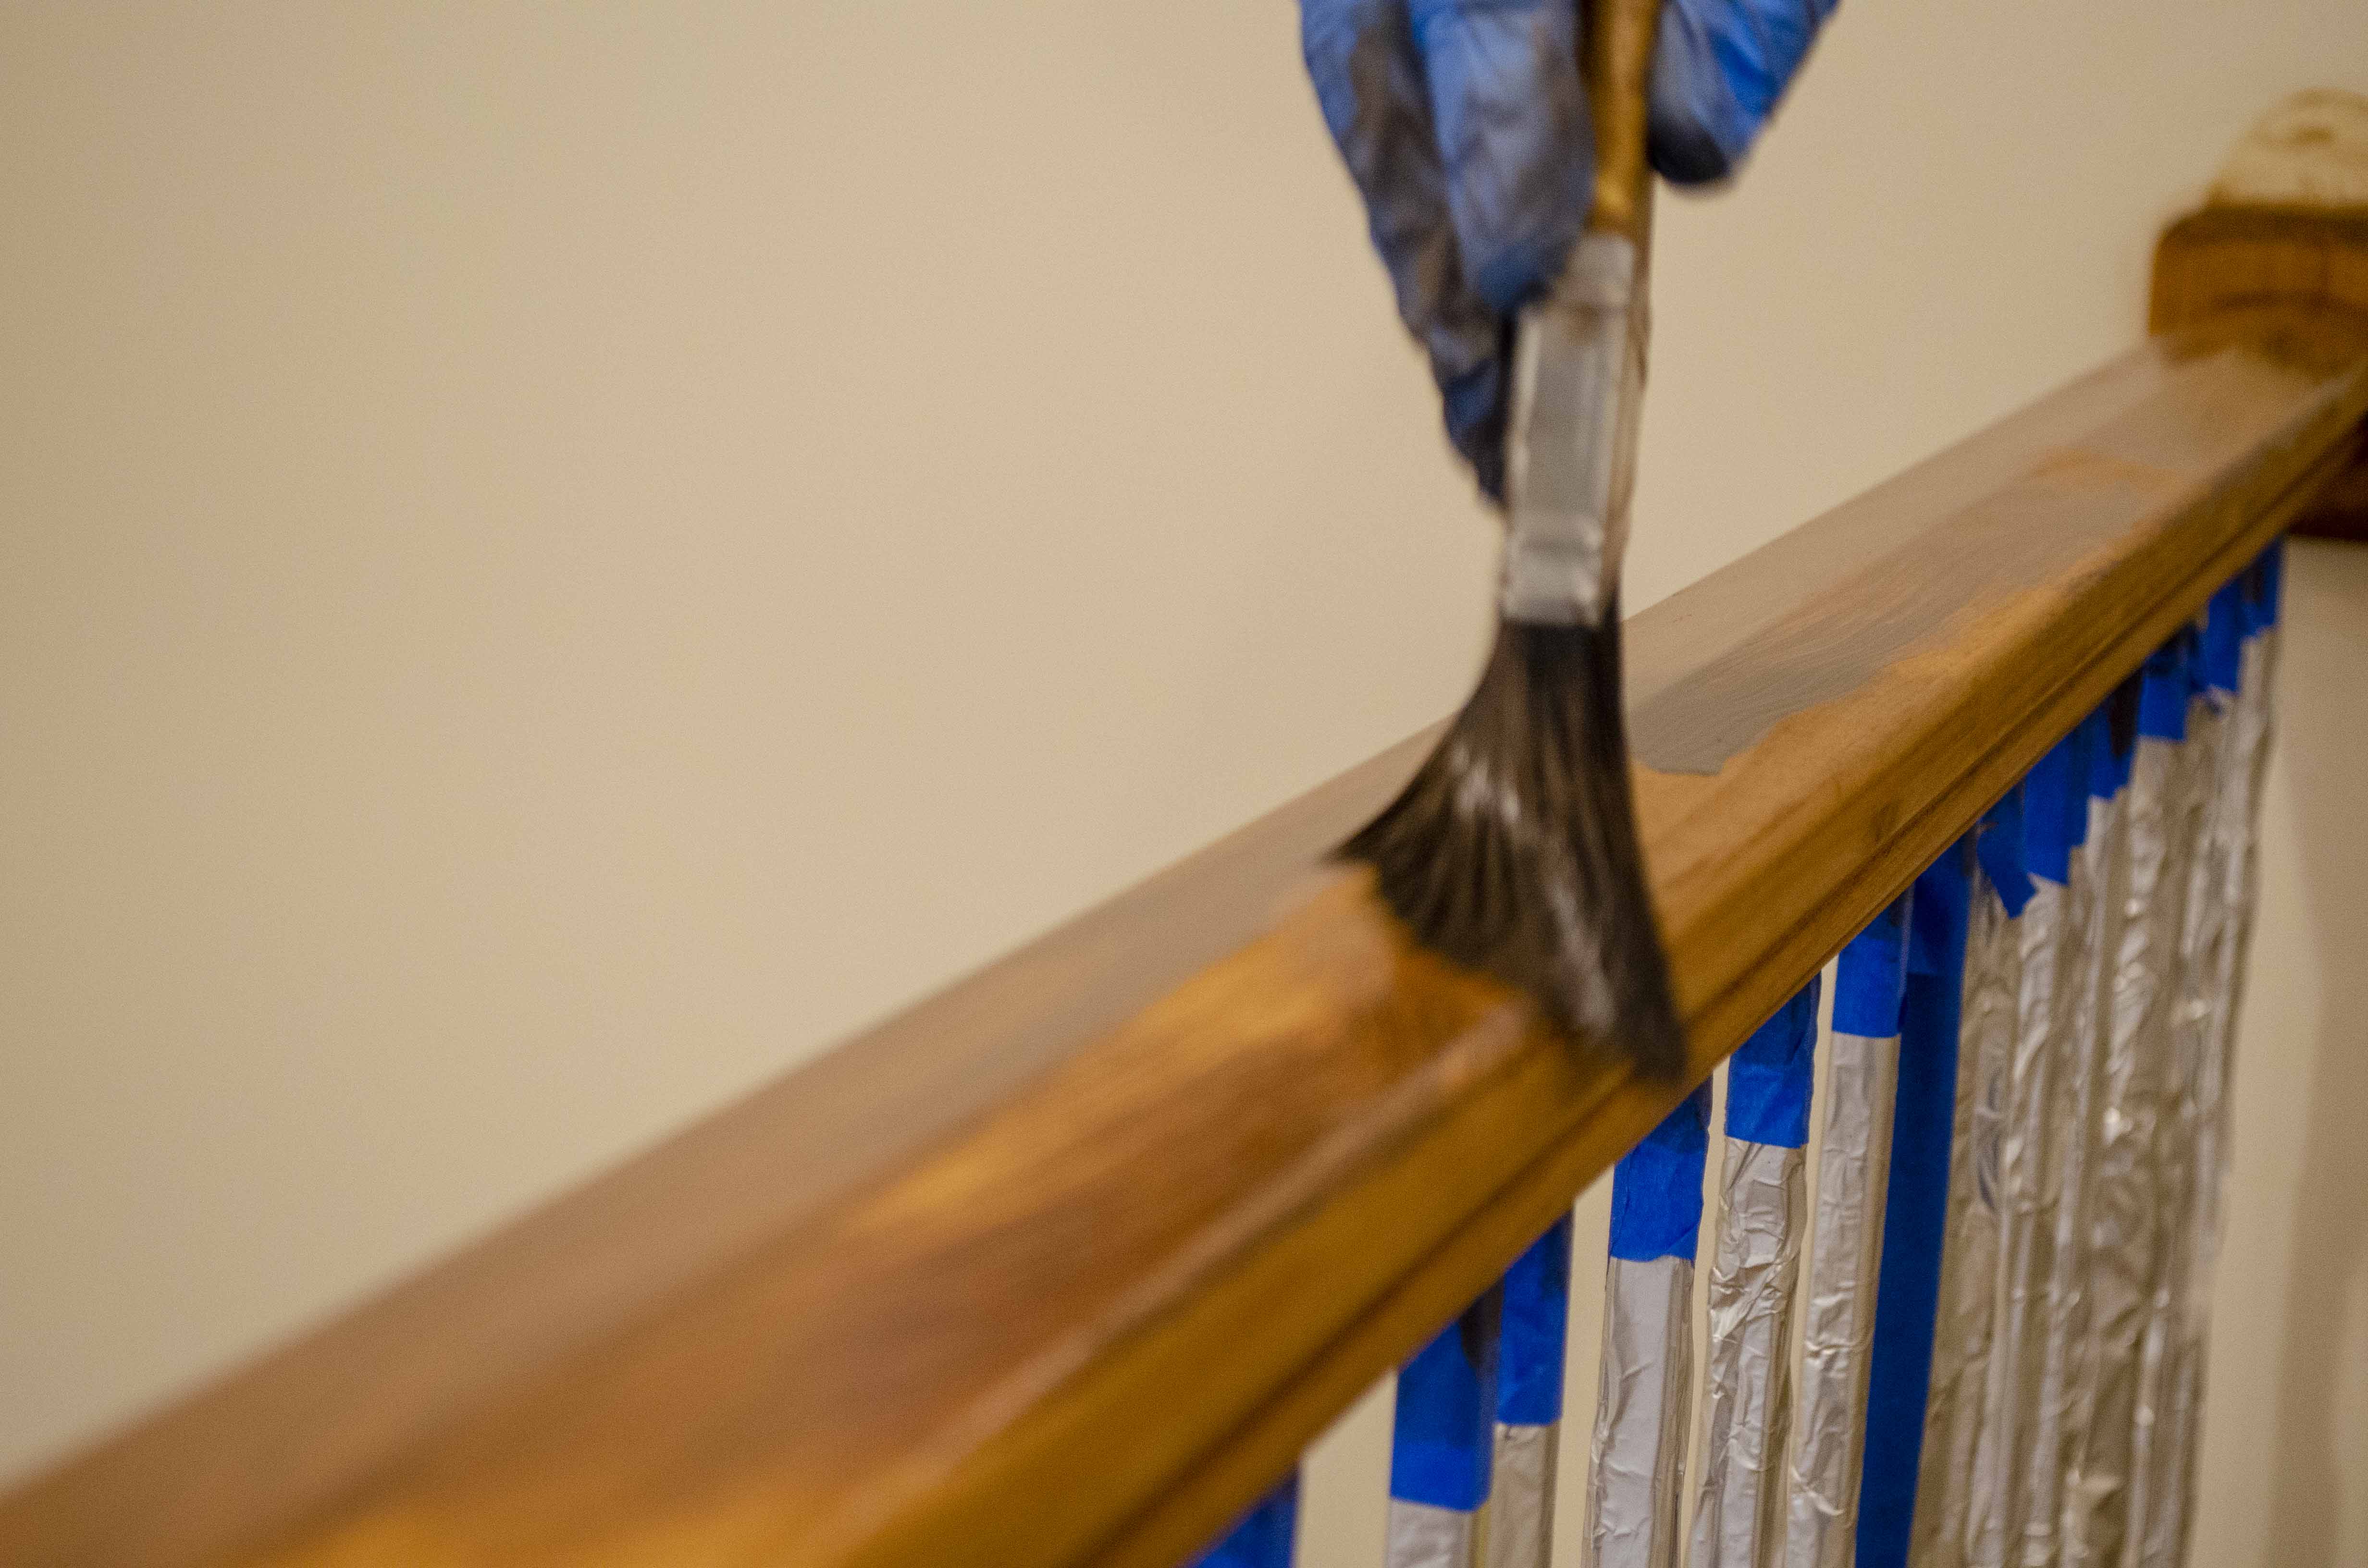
1067	1263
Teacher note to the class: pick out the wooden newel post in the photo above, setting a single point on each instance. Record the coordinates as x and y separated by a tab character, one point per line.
2285	227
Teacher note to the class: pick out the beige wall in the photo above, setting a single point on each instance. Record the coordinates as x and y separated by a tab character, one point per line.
553	561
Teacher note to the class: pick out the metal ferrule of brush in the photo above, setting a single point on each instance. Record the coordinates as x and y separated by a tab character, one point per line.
1570	446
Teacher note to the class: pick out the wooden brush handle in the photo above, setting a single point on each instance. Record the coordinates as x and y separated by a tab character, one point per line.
1615	56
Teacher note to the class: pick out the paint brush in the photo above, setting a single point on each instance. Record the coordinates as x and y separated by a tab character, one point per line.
1514	849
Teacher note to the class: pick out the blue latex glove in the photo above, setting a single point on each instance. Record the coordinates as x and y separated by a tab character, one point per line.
1464	125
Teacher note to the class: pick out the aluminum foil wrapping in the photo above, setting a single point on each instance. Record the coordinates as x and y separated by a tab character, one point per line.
1522	1496
2022	1150
1837	1312
1423	1535
1644	1399
1747	1390
1961	1342
2225	872
2065	1387
2155	1482
2052	1386
2039	1018
2128	1224
2043	1165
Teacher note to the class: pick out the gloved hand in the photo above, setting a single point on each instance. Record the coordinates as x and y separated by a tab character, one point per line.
1464	125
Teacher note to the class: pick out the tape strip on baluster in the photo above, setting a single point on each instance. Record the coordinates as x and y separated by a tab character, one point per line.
2128	1222
1263	1537
2048	1281
1845	1242
2154	1464
2058	853
1960	1344
1441	1445
1644	1392
1529	1403
1753	1287
2235	674
1914	1210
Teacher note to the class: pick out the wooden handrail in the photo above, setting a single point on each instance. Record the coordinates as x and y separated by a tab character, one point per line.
1067	1263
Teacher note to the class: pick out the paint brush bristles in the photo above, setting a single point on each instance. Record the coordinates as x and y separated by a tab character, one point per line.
1514	849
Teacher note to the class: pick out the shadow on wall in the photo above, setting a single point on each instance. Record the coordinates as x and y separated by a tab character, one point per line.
2324	667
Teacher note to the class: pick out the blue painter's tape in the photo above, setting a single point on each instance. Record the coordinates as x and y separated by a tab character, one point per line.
1767	1078
2115	747
1907	1291
2268	575
2169	683
2224	636
2055	805
1874	969
1264	1537
1441	1448
1537	1329
1937	922
1657	1188
2001	851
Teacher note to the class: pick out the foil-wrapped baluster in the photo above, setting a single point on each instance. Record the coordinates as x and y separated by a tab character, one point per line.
1754	1291
1846	1247
1643	1396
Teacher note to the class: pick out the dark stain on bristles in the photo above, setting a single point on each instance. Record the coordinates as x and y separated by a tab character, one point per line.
1514	850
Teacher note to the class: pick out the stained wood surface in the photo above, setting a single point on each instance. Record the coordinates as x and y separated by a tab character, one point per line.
2285	225
1065	1265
